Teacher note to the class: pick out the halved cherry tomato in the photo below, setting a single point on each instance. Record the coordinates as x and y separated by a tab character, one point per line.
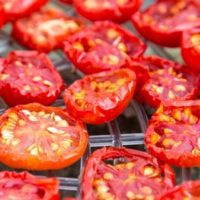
173	133
103	46
139	176
46	29
101	97
190	48
169	81
40	138
15	9
29	76
114	10
24	186
164	21
187	191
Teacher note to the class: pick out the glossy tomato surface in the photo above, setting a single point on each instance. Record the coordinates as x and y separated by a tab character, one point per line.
188	191
168	81
164	21
114	10
137	176
173	134
46	29
103	46
15	9
100	97
40	138
190	48
24	186
29	76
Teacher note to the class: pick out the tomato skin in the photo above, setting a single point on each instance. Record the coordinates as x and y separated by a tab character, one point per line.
190	52
47	187
44	24
2	16
178	117
38	61
21	8
52	160
100	105
147	22
115	13
187	190
95	162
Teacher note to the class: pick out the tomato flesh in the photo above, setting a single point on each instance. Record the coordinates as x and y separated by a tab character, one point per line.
46	29
101	97
139	176
40	137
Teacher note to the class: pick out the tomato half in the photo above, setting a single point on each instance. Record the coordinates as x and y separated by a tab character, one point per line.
103	46
190	48
114	10
101	97
40	138
164	21
24	186
173	133
29	76
187	191
46	29
139	176
169	81
15	9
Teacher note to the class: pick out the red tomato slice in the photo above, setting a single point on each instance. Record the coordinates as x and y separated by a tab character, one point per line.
114	10
188	191
164	21
41	138
139	176
101	97
20	8
169	81
173	134
190	48
24	186
46	29
29	76
103	46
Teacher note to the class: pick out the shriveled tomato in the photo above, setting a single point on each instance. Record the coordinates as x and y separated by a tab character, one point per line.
46	29
164	21
24	186
190	48
102	46
40	138
114	10
20	8
169	81
138	176
29	76
101	97
187	191
173	133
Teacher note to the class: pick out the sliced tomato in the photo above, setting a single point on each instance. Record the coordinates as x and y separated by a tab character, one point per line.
188	191
24	186
15	9
101	97
190	48
114	10
169	81
41	138
103	46
29	76
164	21
173	133
138	176
46	29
